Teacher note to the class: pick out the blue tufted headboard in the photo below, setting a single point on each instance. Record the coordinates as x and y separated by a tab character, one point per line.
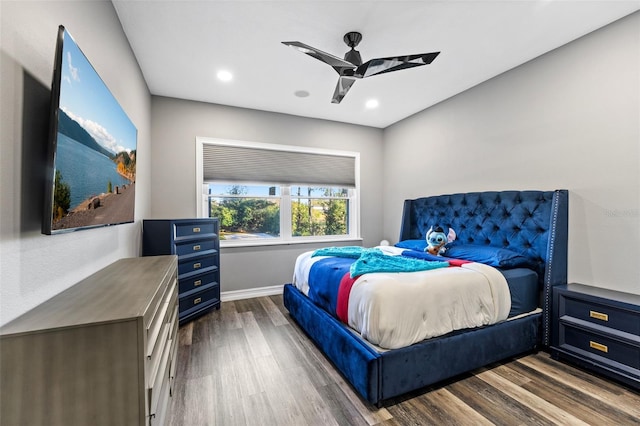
532	223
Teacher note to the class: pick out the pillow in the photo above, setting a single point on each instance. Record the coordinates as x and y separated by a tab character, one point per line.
419	245
492	256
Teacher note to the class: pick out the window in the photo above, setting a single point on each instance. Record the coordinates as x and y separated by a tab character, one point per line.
272	194
245	211
317	211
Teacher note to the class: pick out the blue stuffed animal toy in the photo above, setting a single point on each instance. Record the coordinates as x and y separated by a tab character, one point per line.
437	240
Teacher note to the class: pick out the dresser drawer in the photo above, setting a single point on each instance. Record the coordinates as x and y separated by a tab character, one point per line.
196	264
601	345
155	339
194	229
601	314
199	281
158	392
196	243
200	300
195	247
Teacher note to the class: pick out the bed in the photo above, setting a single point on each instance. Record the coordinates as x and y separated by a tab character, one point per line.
532	224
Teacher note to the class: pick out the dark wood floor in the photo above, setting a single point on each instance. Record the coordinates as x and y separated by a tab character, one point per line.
250	364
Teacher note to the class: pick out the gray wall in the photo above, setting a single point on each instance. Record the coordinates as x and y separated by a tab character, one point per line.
569	119
175	125
34	267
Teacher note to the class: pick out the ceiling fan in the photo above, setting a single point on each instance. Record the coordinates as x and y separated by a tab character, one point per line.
351	67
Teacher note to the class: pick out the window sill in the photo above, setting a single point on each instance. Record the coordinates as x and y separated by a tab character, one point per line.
256	243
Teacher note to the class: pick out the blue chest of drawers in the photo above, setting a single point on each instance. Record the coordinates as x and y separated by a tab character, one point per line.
196	243
598	329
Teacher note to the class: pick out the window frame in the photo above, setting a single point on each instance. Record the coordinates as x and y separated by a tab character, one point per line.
285	197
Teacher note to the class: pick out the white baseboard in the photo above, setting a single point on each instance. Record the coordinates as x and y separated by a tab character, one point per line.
227	296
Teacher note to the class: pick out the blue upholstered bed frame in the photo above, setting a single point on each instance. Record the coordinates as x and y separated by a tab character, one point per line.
532	223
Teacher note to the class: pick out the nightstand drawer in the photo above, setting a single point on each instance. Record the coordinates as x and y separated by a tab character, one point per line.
196	264
200	300
196	247
199	281
601	314
596	344
194	229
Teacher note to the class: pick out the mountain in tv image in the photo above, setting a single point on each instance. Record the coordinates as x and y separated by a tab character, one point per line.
68	127
93	186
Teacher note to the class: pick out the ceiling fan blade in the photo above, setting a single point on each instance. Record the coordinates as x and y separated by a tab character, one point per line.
396	63
343	86
338	64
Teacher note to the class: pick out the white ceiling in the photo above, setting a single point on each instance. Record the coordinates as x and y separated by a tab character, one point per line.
182	44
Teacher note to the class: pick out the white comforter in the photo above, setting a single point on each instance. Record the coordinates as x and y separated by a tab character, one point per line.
393	310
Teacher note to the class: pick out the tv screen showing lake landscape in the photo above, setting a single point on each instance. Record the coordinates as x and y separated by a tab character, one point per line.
92	152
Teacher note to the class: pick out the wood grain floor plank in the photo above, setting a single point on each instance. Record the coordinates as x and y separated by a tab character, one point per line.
228	316
258	410
242	372
249	363
278	301
283	348
510	374
343	411
185	336
404	414
541	406
573	400
276	316
493	404
228	397
607	392
200	332
199	392
200	362
258	344
321	369
314	409
460	412
420	411
284	402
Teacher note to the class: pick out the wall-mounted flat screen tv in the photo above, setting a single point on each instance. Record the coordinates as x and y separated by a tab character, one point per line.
91	169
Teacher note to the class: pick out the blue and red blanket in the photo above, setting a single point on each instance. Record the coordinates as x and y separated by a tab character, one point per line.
331	279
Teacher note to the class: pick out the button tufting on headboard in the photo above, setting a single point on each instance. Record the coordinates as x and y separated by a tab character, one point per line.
531	223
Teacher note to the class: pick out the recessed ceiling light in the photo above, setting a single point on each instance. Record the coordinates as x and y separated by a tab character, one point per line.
301	93
225	75
372	103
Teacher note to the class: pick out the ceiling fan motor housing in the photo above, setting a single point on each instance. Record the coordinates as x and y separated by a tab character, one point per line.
352	39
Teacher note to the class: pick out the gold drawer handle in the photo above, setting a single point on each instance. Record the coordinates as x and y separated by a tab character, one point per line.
598	346
195	230
196	248
598	315
197	265
198	300
197	283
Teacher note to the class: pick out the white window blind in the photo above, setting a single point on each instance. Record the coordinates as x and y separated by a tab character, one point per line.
280	166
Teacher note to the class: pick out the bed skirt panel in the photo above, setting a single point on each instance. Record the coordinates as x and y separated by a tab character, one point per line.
433	360
357	362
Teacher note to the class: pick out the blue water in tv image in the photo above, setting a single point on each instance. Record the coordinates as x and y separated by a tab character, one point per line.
95	155
87	168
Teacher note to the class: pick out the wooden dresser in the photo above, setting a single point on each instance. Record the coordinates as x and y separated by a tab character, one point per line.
102	352
196	243
598	329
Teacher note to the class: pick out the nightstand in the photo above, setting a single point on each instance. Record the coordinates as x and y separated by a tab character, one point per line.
598	329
